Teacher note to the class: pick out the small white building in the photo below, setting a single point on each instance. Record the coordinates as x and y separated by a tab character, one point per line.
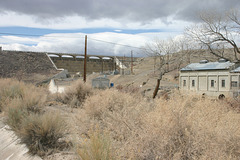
220	78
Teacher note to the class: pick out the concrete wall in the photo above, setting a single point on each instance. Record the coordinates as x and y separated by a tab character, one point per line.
204	79
14	62
74	65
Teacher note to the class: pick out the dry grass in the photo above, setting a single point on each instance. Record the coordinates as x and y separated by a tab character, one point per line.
128	89
194	128
23	106
98	147
42	132
15	116
14	93
120	114
177	128
76	94
18	100
9	89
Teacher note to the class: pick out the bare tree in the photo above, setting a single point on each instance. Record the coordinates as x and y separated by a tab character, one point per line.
234	16
186	48
163	50
217	32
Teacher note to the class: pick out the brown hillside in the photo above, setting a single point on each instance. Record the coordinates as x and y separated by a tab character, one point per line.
25	65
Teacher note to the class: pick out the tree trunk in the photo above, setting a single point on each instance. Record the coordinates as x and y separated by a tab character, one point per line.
158	83
156	88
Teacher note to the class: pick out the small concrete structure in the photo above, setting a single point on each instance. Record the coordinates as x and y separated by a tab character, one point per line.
53	88
220	78
10	148
100	83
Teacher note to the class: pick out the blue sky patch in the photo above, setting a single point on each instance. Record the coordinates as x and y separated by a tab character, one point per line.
25	31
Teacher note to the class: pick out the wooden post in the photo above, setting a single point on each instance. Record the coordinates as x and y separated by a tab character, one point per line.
85	61
102	64
131	62
122	63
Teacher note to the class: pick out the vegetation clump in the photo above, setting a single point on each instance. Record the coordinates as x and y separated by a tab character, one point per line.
42	132
180	127
23	104
97	147
130	126
76	94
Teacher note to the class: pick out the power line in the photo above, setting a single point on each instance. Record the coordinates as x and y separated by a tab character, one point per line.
115	43
35	35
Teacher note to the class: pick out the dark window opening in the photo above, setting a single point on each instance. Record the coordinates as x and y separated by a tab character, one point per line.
223	83
212	83
193	83
234	84
184	82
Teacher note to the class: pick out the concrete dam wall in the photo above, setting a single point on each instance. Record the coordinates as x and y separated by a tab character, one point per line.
95	63
74	65
13	63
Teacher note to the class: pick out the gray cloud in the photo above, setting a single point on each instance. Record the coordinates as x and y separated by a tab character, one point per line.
130	10
193	8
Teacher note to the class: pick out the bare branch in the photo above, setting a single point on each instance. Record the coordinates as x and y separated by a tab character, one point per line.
215	30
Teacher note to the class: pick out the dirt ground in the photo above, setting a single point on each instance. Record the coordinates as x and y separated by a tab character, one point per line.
144	77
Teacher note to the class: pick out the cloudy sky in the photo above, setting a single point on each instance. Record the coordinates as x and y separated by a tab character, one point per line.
114	27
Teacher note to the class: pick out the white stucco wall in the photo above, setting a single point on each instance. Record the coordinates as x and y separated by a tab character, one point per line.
227	83
203	82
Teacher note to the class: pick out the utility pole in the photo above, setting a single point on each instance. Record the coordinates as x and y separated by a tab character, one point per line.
122	65
85	61
131	62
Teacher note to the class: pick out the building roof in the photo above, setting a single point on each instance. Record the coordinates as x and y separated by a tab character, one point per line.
208	66
237	70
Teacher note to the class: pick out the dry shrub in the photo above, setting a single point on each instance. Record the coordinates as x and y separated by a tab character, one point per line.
97	147
18	100
180	127
22	103
128	89
9	89
42	132
24	95
234	103
119	113
76	94
16	115
192	128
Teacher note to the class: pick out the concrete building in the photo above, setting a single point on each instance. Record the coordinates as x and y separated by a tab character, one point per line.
220	78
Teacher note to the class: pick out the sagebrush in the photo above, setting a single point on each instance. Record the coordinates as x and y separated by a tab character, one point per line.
23	104
42	132
75	95
180	127
98	147
176	127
